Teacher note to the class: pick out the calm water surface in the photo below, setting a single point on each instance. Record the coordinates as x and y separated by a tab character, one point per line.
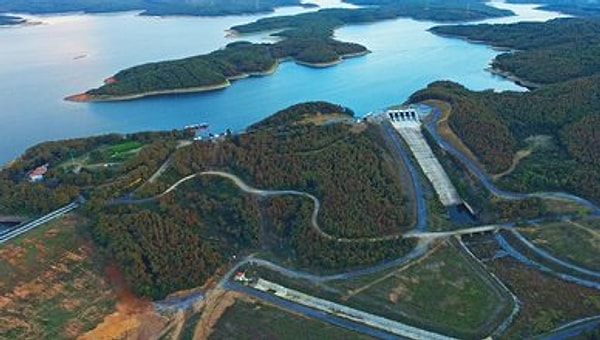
39	65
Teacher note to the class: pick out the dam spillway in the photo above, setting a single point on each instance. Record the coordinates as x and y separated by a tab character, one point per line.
408	125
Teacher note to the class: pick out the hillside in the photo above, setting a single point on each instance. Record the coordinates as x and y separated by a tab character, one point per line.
495	125
203	222
547	53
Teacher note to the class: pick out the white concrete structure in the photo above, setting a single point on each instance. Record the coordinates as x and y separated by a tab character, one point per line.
342	311
403	115
407	123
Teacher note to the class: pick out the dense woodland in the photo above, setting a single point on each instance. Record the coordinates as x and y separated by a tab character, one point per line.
205	70
307	38
63	184
216	68
557	121
150	7
181	239
573	7
348	171
556	51
325	21
293	240
496	125
211	214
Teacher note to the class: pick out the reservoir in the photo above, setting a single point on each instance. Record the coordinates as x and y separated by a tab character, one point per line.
67	54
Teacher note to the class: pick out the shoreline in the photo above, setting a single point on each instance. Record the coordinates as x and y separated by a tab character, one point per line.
498	48
88	98
339	60
512	77
491	69
85	97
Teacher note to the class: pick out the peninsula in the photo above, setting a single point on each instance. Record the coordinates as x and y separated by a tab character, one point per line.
306	39
561	50
6	20
215	70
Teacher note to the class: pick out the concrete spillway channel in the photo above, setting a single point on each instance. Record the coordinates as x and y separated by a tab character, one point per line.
410	130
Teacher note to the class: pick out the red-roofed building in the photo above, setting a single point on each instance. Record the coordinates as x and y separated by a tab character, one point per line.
38	173
240	277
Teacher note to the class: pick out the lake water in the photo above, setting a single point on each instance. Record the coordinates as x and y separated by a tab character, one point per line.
39	65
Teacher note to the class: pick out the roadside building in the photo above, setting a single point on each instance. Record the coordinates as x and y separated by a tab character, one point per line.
38	173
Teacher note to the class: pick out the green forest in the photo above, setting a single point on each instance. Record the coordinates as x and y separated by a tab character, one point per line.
306	38
217	68
150	7
573	7
555	122
323	22
179	240
495	125
547	53
206	70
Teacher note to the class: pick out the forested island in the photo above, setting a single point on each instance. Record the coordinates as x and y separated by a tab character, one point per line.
306	38
215	70
147	7
547	53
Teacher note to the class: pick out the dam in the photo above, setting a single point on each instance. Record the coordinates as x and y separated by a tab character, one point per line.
407	122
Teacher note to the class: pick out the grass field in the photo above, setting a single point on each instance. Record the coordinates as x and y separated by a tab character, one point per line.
123	147
444	292
51	287
565	207
577	242
256	320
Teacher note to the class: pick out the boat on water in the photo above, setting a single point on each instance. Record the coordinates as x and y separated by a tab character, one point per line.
196	126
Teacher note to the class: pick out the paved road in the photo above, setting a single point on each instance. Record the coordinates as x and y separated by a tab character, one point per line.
316	314
417	252
346	312
421	206
21	229
254	191
572	329
466	231
554	259
487	182
510	250
515	300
